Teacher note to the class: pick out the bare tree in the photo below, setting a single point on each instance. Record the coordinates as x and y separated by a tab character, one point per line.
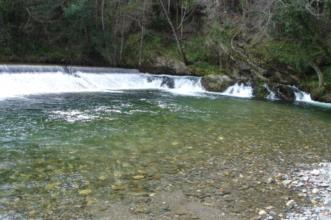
174	32
141	47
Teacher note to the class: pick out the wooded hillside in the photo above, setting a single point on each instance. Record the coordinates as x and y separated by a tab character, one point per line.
266	37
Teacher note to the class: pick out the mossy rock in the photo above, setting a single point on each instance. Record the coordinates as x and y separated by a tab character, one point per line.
284	92
216	83
260	91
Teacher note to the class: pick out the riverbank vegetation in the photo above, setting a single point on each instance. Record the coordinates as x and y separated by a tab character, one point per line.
276	40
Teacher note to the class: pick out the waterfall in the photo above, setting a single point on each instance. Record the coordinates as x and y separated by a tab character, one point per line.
239	90
304	97
21	80
301	96
24	80
272	95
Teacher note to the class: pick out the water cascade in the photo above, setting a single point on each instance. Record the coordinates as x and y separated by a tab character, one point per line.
272	95
22	80
239	90
30	80
304	97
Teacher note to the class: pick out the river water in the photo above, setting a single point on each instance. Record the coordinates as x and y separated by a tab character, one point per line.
149	154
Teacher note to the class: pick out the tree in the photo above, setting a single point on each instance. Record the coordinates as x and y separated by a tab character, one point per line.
306	23
174	31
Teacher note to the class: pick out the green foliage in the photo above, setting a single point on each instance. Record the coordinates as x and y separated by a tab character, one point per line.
220	35
205	68
198	52
301	36
76	9
293	53
294	22
294	19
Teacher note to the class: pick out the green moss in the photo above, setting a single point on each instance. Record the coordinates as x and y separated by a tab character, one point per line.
204	68
197	51
154	46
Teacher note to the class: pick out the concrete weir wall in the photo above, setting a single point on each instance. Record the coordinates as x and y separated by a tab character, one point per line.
13	68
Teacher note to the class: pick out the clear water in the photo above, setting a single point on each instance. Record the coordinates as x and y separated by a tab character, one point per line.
68	156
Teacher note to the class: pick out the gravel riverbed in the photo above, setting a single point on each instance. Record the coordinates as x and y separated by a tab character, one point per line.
313	183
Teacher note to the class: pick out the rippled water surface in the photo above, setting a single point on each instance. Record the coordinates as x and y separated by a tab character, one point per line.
76	155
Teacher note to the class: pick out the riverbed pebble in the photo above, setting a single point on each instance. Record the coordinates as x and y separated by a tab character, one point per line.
290	204
315	191
262	212
313	183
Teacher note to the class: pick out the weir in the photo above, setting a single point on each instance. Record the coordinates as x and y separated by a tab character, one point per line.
23	80
12	68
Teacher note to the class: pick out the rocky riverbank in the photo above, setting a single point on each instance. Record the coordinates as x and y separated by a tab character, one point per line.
274	82
313	183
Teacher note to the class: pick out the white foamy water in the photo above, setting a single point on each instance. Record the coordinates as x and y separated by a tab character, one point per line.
239	90
301	96
272	95
72	116
32	83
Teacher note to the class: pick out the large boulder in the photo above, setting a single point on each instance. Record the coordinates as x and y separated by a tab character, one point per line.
283	92
216	83
260	90
325	98
321	94
165	65
168	82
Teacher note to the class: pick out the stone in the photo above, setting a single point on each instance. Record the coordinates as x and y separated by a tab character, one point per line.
216	83
117	187
260	90
165	65
85	192
327	202
315	172
283	92
272	213
270	180
168	82
262	212
138	177
32	213
315	191
286	182
290	204
102	178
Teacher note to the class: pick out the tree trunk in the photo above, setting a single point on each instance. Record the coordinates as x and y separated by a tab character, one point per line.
319	75
122	38
141	47
102	15
179	45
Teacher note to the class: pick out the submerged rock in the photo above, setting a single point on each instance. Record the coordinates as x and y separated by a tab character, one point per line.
138	177
85	192
216	83
283	92
168	82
